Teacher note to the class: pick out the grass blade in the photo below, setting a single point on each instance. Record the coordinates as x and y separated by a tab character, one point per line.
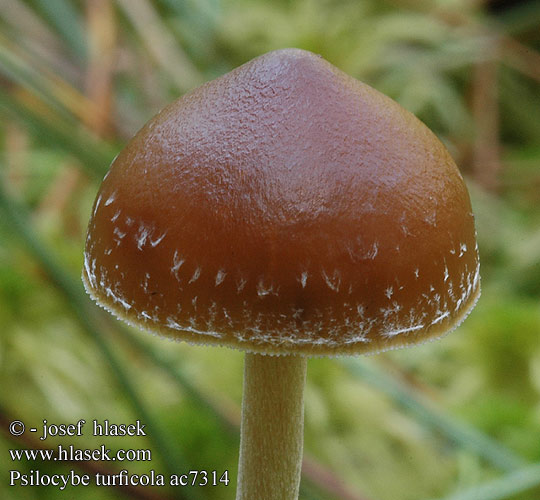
161	43
65	18
16	218
511	484
93	154
458	432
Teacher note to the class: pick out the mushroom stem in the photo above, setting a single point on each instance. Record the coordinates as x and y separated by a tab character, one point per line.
272	431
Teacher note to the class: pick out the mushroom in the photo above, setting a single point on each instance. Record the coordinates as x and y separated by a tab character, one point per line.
287	210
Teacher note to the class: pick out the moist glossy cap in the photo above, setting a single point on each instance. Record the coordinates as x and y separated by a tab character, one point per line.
285	208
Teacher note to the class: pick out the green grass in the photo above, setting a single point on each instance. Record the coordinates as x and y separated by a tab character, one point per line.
454	420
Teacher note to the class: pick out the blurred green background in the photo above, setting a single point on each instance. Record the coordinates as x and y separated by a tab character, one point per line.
455	419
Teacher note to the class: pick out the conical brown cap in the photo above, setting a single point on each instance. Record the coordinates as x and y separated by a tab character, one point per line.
285	208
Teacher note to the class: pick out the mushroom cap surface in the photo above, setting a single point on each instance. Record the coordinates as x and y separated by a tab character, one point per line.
285	208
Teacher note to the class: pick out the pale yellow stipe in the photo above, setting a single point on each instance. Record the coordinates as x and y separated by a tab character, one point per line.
272	431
